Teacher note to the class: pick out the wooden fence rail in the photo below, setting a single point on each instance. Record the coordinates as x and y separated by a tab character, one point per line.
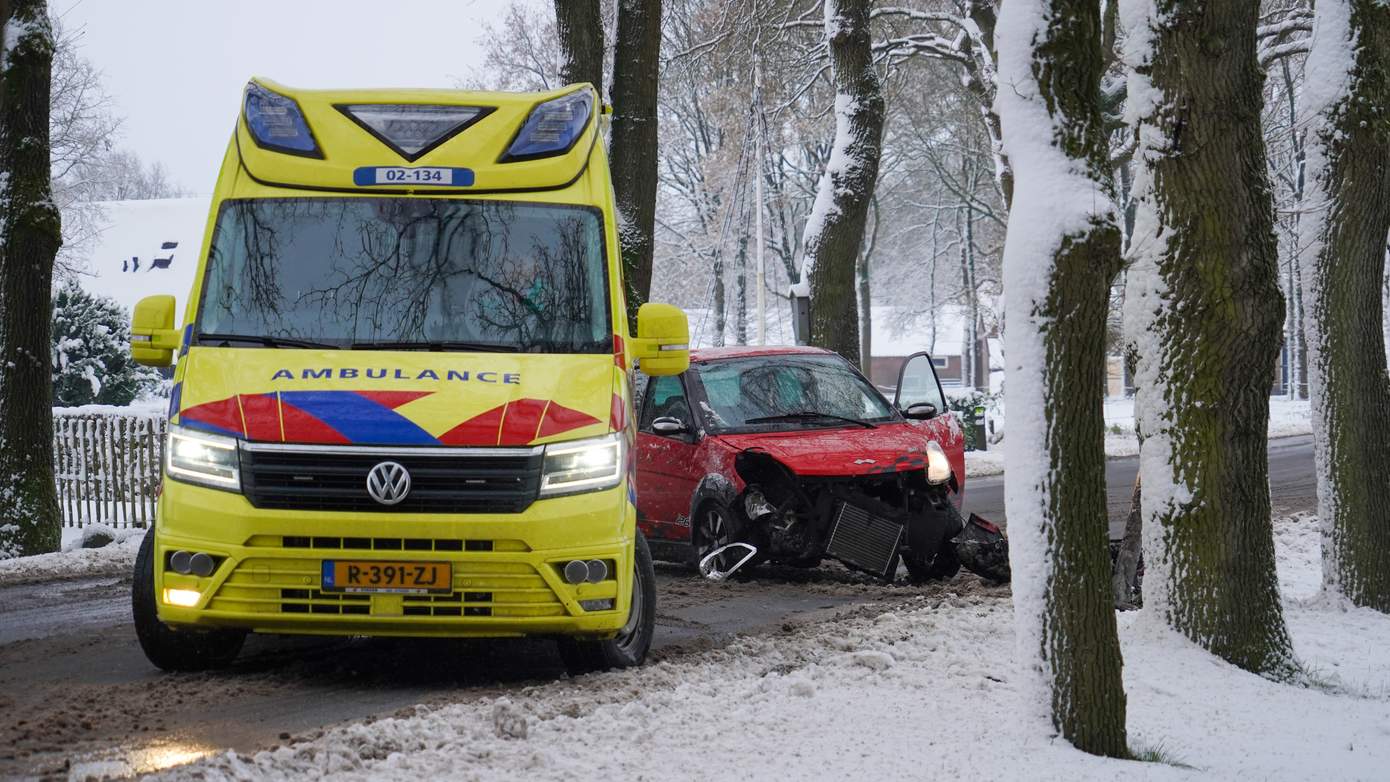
107	466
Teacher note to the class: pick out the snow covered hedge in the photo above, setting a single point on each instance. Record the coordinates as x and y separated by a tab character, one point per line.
91	352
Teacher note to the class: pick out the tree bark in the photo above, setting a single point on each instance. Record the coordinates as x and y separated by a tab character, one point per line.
1204	308
579	26
30	235
1343	242
1127	559
866	299
1061	253
633	140
835	228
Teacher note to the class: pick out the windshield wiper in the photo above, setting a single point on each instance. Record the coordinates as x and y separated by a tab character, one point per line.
808	415
435	346
260	339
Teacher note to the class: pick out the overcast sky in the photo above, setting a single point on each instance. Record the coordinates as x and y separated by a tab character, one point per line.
176	68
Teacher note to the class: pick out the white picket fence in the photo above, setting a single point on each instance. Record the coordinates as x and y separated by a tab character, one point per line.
106	464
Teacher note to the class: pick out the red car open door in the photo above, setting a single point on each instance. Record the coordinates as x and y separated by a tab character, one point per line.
666	470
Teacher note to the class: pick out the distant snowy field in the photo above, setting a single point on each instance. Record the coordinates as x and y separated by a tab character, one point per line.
1286	419
925	691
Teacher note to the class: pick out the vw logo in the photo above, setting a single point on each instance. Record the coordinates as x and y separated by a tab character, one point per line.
388	483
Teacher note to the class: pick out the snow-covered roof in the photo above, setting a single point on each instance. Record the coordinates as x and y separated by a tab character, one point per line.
141	229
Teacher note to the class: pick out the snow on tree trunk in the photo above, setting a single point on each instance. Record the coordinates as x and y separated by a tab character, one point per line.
633	140
1346	107
1204	312
30	235
579	28
835	228
1061	252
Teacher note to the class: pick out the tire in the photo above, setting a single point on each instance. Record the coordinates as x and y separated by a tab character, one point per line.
169	649
942	564
628	648
941	567
714	526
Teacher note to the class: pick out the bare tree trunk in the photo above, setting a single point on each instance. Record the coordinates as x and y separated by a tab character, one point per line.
866	315
866	312
30	235
835	229
980	84
741	290
1062	251
1344	236
1127	560
721	314
579	26
1204	308
633	144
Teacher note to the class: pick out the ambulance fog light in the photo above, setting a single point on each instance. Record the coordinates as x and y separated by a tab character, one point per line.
597	569
201	565
606	604
183	598
181	562
576	571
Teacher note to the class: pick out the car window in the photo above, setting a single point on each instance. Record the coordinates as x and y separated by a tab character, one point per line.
664	398
919	384
737	391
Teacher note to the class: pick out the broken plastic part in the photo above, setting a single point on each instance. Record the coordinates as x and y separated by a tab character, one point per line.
709	570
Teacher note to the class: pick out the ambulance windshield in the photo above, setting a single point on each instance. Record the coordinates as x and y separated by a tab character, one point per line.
407	273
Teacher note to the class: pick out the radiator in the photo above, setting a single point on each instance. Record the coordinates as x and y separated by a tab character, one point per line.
865	541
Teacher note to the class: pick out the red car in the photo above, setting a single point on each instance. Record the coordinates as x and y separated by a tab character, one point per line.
791	451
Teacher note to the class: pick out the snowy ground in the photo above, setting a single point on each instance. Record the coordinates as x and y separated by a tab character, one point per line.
1286	418
116	558
922	691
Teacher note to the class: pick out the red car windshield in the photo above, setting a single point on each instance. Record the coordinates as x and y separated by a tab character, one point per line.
766	393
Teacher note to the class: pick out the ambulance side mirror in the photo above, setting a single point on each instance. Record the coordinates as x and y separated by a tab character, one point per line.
663	340
153	338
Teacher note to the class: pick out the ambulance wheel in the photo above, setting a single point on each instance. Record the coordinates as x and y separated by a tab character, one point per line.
629	647
169	649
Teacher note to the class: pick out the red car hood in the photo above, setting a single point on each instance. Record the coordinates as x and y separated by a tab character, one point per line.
840	451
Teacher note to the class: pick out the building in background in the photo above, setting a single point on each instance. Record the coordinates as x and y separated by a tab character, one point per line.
145	248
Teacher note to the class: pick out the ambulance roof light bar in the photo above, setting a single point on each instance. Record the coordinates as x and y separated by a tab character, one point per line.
411	130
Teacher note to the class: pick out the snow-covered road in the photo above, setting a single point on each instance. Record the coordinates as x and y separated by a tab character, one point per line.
925	690
74	687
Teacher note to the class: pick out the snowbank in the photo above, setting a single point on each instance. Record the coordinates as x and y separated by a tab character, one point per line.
926	691
73	561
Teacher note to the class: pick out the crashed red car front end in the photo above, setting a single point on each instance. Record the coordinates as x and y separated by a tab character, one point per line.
793	453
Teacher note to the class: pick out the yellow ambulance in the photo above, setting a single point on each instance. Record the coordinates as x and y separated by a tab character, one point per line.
402	402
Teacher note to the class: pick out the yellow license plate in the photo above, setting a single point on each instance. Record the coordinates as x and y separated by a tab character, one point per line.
397	577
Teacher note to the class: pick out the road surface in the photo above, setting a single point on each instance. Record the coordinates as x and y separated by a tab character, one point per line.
77	696
1292	481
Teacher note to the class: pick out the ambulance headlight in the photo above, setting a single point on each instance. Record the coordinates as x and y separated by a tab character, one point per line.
203	458
277	124
582	465
938	467
552	127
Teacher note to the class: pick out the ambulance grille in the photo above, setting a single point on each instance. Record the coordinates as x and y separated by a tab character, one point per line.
441	480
